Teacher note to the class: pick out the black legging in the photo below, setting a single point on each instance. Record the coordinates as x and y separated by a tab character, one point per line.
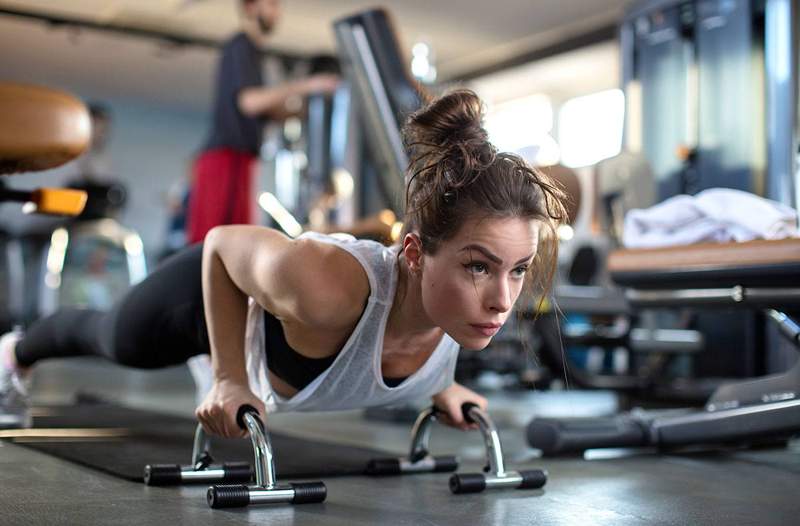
158	323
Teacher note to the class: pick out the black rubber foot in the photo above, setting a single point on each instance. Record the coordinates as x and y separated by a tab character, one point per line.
162	474
445	464
309	492
383	466
237	472
533	479
467	483
233	496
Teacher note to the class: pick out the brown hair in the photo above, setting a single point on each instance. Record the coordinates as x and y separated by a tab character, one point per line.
455	173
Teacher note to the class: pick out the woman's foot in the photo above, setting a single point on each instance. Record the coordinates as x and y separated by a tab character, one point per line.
14	405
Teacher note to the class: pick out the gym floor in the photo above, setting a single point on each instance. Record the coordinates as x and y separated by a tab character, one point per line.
733	487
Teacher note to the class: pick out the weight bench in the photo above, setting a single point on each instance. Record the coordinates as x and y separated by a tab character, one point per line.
758	274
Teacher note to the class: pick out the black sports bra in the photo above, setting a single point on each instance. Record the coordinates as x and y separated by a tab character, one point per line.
292	367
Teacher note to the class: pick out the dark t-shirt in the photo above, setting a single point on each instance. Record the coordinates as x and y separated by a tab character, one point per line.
239	67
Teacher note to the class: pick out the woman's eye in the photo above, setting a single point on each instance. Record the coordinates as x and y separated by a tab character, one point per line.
476	268
520	271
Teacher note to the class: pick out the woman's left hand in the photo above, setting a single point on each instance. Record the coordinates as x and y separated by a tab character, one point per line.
450	401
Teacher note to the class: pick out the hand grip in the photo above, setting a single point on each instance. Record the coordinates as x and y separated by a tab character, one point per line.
59	201
465	409
245	408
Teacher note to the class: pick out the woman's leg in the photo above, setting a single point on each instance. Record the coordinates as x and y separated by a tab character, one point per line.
158	323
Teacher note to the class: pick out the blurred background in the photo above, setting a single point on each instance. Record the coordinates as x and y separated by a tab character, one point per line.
626	103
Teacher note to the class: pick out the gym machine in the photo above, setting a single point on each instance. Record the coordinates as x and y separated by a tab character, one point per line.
385	94
760	275
41	129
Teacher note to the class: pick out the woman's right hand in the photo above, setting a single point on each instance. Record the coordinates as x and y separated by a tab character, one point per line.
217	413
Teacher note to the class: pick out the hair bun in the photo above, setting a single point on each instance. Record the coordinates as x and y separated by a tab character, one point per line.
449	131
455	117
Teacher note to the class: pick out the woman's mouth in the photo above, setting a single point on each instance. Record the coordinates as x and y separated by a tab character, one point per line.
486	329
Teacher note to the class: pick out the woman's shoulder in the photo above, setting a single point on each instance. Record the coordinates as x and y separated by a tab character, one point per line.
331	285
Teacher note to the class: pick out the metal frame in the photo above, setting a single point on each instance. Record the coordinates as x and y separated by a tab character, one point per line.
371	92
732	296
781	56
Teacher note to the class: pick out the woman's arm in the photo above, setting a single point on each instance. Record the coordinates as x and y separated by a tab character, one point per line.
301	281
225	305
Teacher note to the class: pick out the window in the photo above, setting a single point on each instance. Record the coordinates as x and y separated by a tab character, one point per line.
523	126
590	127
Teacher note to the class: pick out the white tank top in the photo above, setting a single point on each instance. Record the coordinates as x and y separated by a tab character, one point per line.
354	380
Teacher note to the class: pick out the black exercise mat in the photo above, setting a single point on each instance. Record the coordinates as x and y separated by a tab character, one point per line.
154	438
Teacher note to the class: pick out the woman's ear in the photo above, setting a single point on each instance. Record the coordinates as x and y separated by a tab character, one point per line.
412	250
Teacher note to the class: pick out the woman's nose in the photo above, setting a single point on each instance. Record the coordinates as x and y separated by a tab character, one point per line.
500	297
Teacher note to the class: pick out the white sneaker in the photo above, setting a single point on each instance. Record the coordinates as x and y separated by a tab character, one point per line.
200	367
14	404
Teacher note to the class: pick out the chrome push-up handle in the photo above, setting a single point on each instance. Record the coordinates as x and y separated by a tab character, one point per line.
266	489
419	460
495	475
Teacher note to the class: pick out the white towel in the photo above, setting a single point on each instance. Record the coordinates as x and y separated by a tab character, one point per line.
717	214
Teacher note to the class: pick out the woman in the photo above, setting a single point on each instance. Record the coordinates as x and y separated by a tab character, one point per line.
325	322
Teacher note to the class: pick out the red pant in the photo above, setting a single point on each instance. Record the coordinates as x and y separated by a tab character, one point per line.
221	191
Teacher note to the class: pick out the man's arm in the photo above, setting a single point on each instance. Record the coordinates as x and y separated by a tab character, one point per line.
285	100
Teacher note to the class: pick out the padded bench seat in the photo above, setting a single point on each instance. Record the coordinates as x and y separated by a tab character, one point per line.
40	128
759	263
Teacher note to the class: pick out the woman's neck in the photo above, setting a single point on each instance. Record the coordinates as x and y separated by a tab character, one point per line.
408	329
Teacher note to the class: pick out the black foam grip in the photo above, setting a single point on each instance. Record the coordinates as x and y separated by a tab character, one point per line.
237	472
245	408
308	492
383	466
559	437
162	474
533	479
467	483
233	496
465	408
445	464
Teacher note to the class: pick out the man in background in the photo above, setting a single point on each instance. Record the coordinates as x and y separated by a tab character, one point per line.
223	174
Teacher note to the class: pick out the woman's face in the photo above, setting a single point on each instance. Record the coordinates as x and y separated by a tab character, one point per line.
470	285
